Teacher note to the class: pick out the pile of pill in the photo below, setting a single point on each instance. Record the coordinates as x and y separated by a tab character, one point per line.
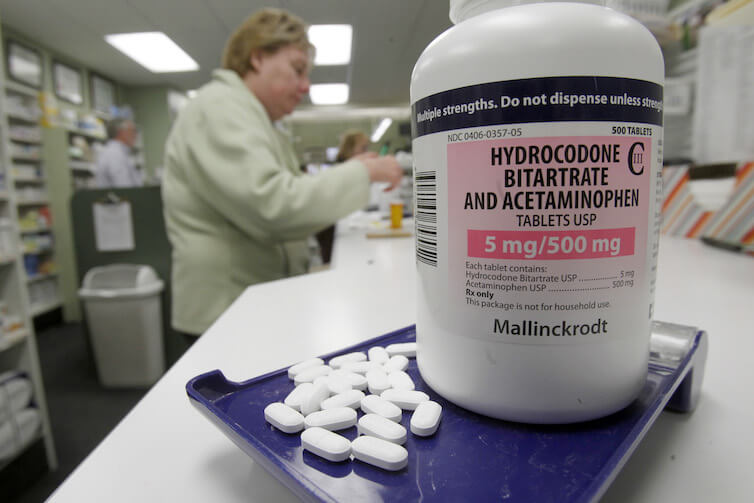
327	396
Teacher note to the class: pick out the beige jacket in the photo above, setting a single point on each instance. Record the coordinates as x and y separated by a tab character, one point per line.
237	207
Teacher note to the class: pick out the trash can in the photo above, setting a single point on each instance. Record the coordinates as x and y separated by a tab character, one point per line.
124	313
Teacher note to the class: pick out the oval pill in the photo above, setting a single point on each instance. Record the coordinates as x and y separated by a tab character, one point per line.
396	362
378	354
357	381
373	404
426	418
407	349
351	398
296	397
312	403
400	380
360	367
378	426
326	444
404	398
337	361
311	373
338	418
293	370
283	417
380	453
377	381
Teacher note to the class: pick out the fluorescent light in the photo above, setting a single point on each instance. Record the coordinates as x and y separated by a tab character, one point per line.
380	129
154	51
191	93
333	43
328	94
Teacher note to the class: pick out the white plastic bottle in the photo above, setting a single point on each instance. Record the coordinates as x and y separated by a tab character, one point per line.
537	147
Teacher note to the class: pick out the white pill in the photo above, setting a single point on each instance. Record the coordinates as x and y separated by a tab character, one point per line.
296	397
373	404
338	418
339	360
337	384
311	373
407	349
404	398
380	453
377	381
293	370
326	444
283	417
426	418
400	380
378	426
378	354
360	367
357	381
350	398
396	362
312	403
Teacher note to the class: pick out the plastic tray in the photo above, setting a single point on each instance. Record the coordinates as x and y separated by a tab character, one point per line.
471	457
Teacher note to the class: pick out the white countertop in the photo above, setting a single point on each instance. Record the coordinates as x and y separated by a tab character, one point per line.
164	450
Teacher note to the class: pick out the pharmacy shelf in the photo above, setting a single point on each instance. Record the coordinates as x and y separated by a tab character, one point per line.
39	309
40	277
87	166
29	179
21	139
25	158
21	89
23	118
32	202
35	230
89	134
8	340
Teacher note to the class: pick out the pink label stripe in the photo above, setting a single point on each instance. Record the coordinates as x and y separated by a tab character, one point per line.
551	245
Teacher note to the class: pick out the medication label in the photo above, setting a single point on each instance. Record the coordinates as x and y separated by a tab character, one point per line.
536	206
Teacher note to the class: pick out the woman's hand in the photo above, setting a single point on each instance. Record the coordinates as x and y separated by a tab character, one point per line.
382	169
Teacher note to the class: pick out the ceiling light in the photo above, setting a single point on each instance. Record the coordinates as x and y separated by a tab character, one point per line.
333	43
328	94
380	129
154	51
191	93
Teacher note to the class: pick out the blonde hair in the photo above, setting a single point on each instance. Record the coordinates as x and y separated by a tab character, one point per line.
268	30
348	143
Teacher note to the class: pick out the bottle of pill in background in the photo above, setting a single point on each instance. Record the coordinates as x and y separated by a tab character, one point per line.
537	152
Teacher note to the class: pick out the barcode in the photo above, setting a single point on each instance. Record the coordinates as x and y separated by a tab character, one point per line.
426	217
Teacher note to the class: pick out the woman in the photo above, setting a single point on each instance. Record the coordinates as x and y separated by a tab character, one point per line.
237	208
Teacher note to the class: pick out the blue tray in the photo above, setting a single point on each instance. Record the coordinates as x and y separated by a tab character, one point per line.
471	457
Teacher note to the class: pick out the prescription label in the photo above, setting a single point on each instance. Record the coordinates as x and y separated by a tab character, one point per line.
540	231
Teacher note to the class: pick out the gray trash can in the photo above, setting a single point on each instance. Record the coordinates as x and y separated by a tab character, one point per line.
124	313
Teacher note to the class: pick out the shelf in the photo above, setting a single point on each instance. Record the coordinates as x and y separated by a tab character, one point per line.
41	276
21	139
3	195
35	230
29	179
23	118
32	202
7	261
88	134
21	89
38	252
44	308
26	158
14	338
87	166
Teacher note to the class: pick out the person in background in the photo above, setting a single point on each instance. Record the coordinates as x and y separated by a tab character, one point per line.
352	143
115	166
237	207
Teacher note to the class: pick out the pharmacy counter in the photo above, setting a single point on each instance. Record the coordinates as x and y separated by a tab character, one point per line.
165	450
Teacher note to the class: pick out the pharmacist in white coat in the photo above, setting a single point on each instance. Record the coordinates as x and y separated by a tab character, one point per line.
115	164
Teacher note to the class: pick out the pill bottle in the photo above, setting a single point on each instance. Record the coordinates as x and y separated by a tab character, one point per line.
537	143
